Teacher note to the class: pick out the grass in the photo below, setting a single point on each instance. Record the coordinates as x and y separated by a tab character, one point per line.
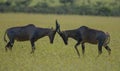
57	56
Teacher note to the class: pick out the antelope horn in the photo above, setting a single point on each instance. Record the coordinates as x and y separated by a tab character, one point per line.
57	26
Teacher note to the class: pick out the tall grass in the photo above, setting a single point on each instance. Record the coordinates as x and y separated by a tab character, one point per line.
57	56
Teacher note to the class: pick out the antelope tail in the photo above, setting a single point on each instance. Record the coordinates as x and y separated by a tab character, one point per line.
5	37
108	38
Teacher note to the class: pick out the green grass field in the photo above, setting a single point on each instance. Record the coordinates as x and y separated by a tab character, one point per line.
57	56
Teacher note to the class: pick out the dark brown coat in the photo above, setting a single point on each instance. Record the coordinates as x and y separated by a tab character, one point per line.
85	34
28	32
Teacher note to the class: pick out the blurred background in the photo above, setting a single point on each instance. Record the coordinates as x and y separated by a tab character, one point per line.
79	7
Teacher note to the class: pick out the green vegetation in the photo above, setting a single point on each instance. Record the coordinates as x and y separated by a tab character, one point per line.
57	56
80	7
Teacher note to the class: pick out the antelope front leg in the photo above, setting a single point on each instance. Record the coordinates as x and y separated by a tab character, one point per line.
83	49
33	47
77	49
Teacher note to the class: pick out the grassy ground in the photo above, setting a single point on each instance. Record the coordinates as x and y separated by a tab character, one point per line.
57	56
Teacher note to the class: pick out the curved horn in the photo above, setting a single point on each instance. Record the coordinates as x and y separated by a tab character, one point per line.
57	26
56	22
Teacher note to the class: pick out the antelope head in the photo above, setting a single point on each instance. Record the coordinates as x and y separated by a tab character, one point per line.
62	34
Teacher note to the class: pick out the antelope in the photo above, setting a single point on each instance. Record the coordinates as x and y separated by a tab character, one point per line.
28	33
84	35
